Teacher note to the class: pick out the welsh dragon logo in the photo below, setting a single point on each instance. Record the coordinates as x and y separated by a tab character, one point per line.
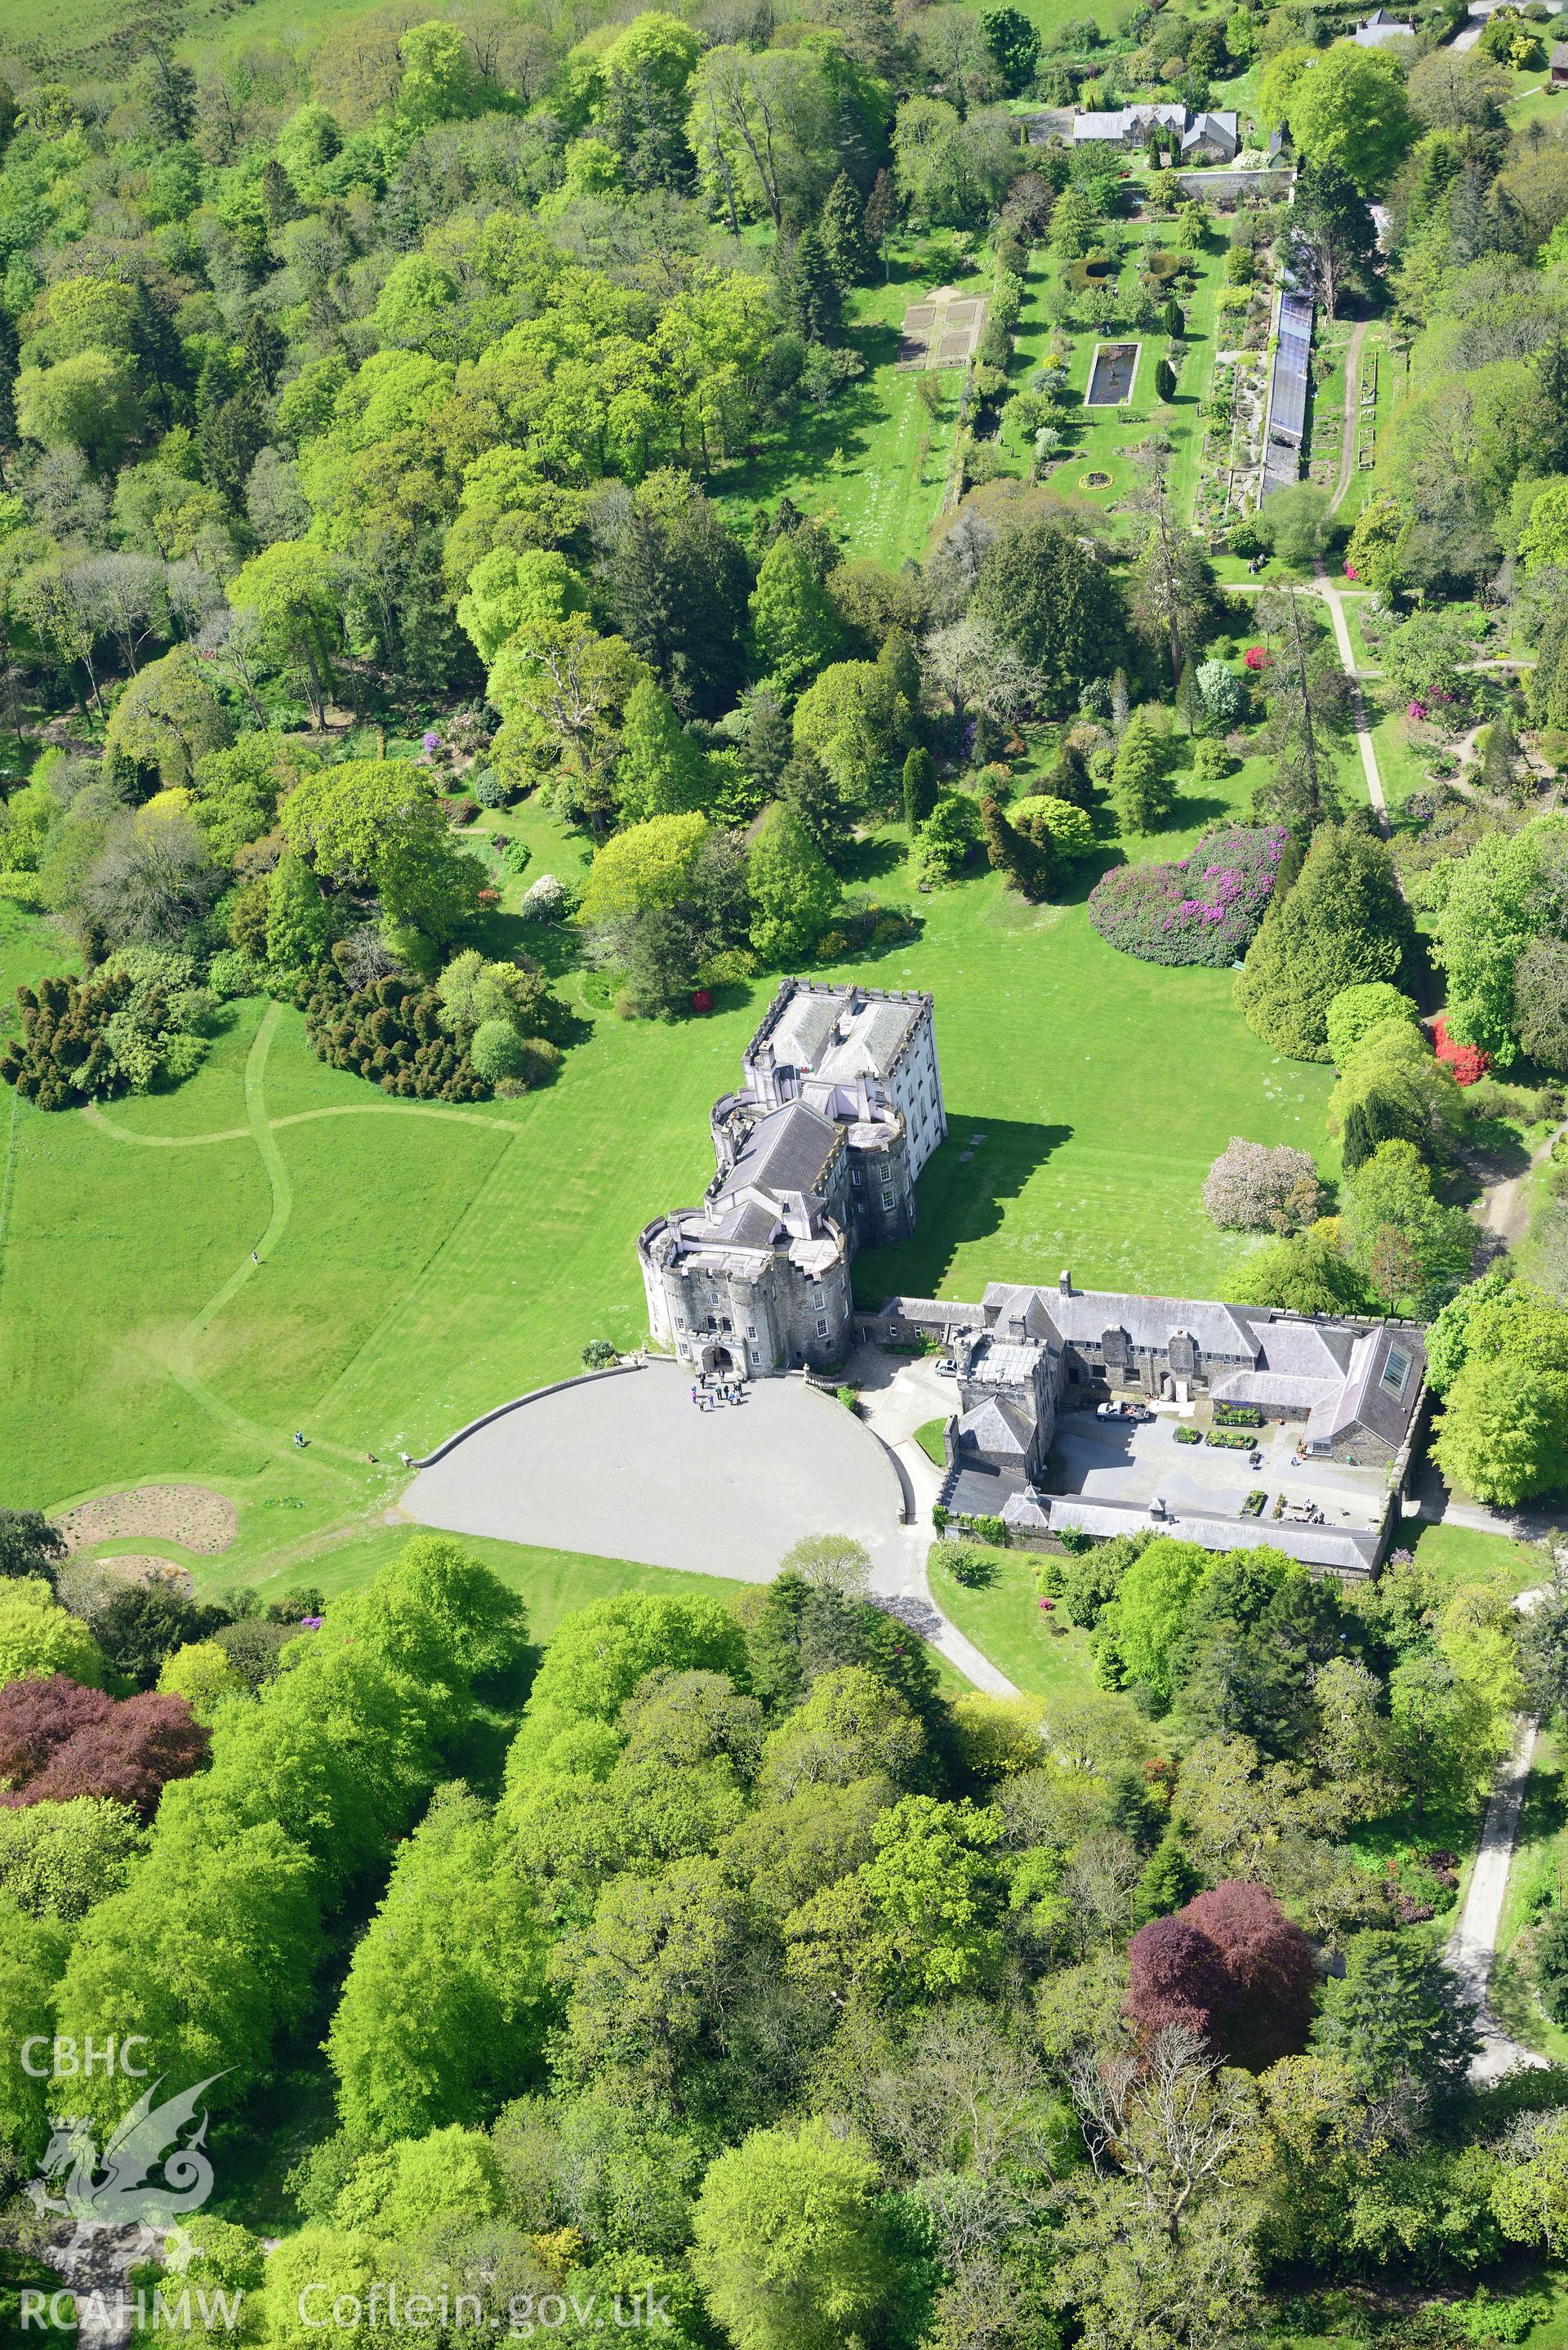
117	2188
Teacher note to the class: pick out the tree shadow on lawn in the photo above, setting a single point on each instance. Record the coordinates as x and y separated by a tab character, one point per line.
962	1199
869	861
815	436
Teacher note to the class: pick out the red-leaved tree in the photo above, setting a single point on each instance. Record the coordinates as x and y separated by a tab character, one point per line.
39	1715
1232	1966
127	1752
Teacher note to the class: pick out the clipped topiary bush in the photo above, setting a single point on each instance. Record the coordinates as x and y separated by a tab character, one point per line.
1204	908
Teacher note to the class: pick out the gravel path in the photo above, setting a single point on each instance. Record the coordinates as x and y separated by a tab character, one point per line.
1473	1945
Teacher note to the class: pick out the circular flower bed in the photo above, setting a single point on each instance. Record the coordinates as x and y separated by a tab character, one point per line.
1094	480
1204	908
1094	269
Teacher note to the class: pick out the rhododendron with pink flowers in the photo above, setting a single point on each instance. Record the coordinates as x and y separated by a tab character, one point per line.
1204	908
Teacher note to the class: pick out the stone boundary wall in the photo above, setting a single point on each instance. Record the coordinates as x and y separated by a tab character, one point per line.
448	1444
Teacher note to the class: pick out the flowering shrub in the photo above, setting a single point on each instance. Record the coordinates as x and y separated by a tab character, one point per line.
1467	1062
702	1001
1415	709
1204	908
1258	657
1351	572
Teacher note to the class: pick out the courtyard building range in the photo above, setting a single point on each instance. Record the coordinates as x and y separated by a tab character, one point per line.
1342	1392
1211	137
817	1152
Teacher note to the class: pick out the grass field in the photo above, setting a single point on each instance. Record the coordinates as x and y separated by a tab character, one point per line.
419	1264
1393	370
1006	1622
874	461
1464	1555
106	35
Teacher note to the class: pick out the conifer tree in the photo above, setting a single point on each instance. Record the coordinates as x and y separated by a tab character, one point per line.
660	770
810	291
1342	923
843	234
1025	861
1141	791
919	788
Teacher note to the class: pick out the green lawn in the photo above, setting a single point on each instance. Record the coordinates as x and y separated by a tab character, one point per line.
420	1263
929	1440
1006	1622
1392	370
1463	1555
552	1583
105	35
1401	758
874	461
1367	656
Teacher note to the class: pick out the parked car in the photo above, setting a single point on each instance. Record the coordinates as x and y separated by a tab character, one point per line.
1122	1411
946	1370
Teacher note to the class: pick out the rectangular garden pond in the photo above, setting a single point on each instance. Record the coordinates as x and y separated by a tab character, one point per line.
1111	377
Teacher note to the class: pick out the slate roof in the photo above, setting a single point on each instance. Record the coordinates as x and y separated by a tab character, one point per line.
1084	1316
1220	128
1380	27
787	1150
1349	1554
804	1034
981	1489
1332	1371
997	1428
1117	124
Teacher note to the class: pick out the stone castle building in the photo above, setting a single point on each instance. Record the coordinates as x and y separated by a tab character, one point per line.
816	1154
840	1106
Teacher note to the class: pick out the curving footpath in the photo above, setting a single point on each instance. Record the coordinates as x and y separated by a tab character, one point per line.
319	1456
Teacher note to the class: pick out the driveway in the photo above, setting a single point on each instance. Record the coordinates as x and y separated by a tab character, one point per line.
629	1468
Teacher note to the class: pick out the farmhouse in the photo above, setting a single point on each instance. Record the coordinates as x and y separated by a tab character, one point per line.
839	1107
1207	137
1559	67
1377	31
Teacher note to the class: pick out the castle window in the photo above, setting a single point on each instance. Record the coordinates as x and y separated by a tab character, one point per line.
886	1199
751	1329
822	1329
